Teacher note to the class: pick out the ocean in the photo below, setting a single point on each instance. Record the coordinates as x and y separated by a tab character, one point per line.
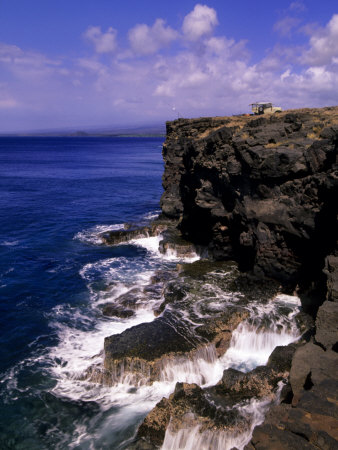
57	196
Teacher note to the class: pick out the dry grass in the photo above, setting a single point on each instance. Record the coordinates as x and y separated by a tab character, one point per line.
313	136
280	144
244	136
322	117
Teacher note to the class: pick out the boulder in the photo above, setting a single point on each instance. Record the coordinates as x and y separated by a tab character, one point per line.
327	325
259	383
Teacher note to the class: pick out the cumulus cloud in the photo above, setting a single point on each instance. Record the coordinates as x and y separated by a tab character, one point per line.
199	22
103	42
146	40
323	45
207	75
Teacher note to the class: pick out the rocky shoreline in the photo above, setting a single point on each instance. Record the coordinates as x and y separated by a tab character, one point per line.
256	198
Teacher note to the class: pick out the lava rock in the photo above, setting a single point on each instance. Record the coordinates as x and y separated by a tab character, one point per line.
327	325
111	310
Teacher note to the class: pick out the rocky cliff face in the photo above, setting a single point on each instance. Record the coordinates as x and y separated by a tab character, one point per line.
262	191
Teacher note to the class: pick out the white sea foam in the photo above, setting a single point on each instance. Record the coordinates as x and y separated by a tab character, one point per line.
291	300
251	347
192	438
119	269
202	368
92	235
254	340
81	332
9	243
80	348
152	215
151	244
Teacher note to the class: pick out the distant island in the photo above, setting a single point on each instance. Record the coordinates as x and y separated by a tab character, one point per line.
156	130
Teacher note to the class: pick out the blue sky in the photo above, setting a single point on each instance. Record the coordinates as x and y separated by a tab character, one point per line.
80	63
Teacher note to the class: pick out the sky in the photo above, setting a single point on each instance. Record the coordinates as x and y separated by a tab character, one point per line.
77	64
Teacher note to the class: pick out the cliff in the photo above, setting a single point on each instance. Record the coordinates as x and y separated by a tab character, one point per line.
263	191
257	198
259	190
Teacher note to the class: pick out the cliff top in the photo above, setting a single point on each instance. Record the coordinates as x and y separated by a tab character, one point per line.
199	128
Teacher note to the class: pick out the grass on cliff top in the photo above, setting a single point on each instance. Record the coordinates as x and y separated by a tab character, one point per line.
322	117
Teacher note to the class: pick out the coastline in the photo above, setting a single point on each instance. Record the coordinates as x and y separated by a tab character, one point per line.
229	184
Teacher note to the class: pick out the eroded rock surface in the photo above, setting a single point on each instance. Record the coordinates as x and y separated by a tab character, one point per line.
262	190
193	296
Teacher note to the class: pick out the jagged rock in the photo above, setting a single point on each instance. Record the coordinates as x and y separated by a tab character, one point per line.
312	419
261	191
312	424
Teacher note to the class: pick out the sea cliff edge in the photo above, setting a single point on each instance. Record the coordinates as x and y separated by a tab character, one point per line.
264	191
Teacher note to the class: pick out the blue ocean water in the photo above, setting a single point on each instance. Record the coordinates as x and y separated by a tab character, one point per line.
56	195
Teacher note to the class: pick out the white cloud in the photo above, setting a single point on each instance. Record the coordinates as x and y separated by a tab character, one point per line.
103	42
285	75
27	64
323	45
219	45
286	25
11	54
297	6
207	75
199	22
146	40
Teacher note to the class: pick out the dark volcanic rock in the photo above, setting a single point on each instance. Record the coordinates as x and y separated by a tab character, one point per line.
147	341
259	382
281	358
111	310
331	271
140	352
262	191
195	322
188	406
131	232
327	325
172	240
